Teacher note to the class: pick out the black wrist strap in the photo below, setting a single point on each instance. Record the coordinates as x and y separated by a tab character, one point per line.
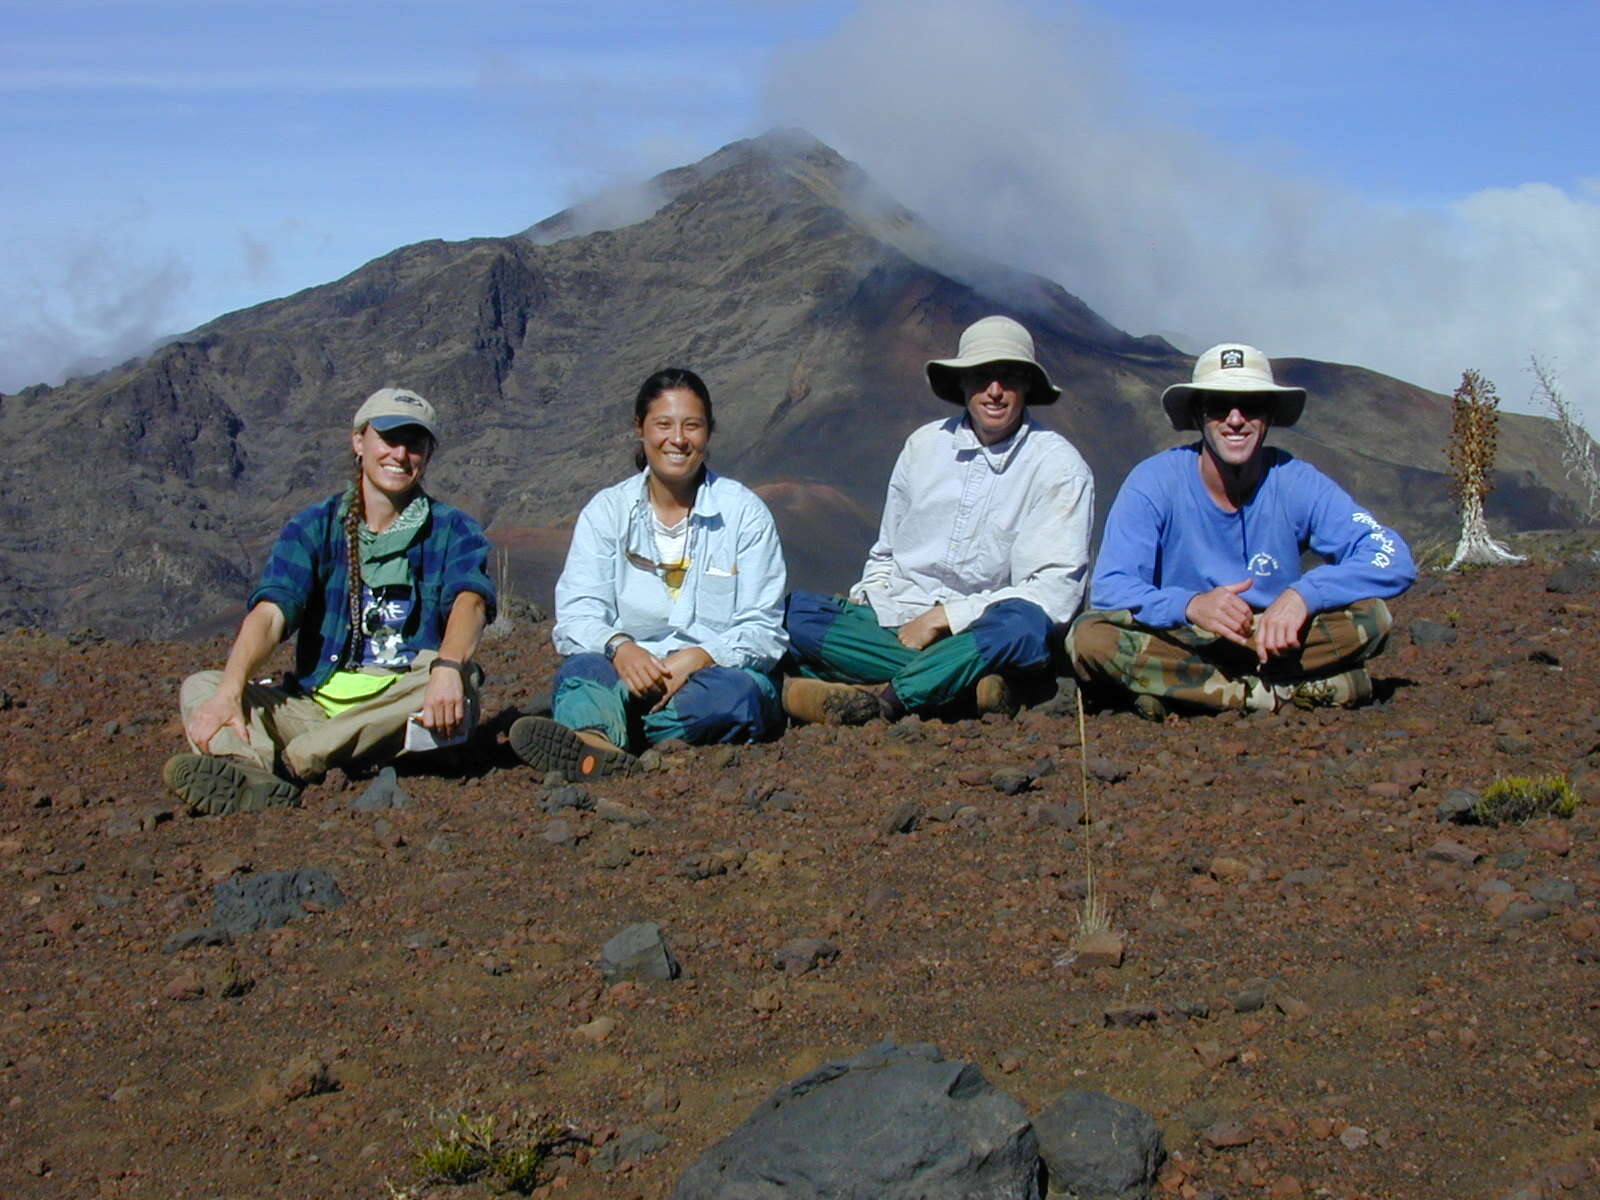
459	668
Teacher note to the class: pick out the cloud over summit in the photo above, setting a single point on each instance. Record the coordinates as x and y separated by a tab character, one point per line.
1025	137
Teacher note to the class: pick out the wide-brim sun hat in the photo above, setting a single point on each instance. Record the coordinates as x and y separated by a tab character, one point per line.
391	407
991	340
1237	369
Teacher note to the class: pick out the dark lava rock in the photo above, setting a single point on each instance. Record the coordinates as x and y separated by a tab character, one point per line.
1555	891
629	1146
1432	633
383	792
1458	806
1130	1016
1097	1148
1011	781
802	954
245	903
567	795
198	935
639	952
903	818
893	1123
1572	578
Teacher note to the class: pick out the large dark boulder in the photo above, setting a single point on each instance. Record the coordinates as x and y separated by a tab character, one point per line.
893	1123
1097	1148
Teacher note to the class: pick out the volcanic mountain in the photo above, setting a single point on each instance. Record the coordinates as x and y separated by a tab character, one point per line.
141	501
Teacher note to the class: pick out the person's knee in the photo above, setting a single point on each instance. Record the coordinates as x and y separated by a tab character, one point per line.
807	616
1014	633
196	689
595	668
1092	640
722	704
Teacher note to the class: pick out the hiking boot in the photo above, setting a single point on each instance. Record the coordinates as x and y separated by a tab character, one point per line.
823	703
210	785
993	694
1349	689
579	754
1151	708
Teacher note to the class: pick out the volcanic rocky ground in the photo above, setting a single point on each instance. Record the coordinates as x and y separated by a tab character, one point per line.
1328	990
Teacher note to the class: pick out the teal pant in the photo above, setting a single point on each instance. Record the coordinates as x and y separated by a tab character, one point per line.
716	704
835	639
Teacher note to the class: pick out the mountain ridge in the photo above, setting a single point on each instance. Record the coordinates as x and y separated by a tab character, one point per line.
807	299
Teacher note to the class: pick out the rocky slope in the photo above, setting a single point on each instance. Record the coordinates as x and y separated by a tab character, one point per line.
1327	988
140	502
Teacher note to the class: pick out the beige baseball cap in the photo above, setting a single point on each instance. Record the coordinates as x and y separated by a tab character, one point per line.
391	407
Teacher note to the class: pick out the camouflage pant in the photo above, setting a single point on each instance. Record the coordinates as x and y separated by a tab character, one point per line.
1193	668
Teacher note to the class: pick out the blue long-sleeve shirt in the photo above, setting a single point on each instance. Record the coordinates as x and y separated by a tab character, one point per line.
731	601
1166	541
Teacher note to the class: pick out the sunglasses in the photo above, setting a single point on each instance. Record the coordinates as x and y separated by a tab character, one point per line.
1251	408
672	574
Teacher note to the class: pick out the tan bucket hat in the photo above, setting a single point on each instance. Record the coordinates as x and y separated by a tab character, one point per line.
991	340
391	407
1236	368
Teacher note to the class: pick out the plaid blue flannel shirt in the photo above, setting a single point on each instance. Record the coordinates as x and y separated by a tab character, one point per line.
307	578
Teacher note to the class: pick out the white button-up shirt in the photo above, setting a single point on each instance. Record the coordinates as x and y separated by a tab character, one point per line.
966	525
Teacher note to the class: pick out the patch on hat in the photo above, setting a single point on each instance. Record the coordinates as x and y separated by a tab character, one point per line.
1232	357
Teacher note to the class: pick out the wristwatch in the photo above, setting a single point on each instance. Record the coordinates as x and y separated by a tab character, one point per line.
615	643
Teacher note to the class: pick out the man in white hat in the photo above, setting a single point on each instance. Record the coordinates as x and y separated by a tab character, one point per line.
983	549
1198	600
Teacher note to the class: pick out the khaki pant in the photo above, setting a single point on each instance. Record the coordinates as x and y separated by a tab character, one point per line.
1201	670
295	735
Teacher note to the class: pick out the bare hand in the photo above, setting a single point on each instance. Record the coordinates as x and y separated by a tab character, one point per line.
925	630
681	664
1278	629
643	672
1220	611
444	702
221	711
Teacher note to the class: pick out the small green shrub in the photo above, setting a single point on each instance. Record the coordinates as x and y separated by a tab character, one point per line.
464	1149
1519	798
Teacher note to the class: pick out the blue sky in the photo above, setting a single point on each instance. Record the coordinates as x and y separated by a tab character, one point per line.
1412	187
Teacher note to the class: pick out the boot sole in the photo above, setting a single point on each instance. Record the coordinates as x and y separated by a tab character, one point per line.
547	745
841	703
213	786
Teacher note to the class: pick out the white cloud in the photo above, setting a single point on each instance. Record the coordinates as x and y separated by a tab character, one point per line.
1019	134
103	304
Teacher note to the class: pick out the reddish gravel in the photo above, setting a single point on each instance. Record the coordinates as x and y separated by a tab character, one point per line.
1389	1016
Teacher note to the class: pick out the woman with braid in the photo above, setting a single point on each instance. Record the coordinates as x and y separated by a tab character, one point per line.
387	592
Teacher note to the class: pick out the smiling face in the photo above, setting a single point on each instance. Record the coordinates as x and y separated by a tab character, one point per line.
1234	426
673	434
392	463
997	396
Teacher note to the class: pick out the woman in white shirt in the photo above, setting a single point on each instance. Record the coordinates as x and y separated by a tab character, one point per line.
670	607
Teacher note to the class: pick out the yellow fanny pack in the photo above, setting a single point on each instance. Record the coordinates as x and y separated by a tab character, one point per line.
345	689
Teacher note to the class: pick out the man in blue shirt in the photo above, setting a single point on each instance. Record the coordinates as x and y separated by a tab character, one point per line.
1198	600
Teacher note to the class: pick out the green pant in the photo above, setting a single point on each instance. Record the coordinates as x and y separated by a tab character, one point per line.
833	638
1198	669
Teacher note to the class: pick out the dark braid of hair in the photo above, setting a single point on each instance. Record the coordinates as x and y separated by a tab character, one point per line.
354	519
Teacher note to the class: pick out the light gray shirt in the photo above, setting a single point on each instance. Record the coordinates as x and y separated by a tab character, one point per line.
966	525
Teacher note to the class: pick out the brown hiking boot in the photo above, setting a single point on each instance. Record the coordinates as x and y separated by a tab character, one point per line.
993	694
579	754
211	785
1349	689
823	703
